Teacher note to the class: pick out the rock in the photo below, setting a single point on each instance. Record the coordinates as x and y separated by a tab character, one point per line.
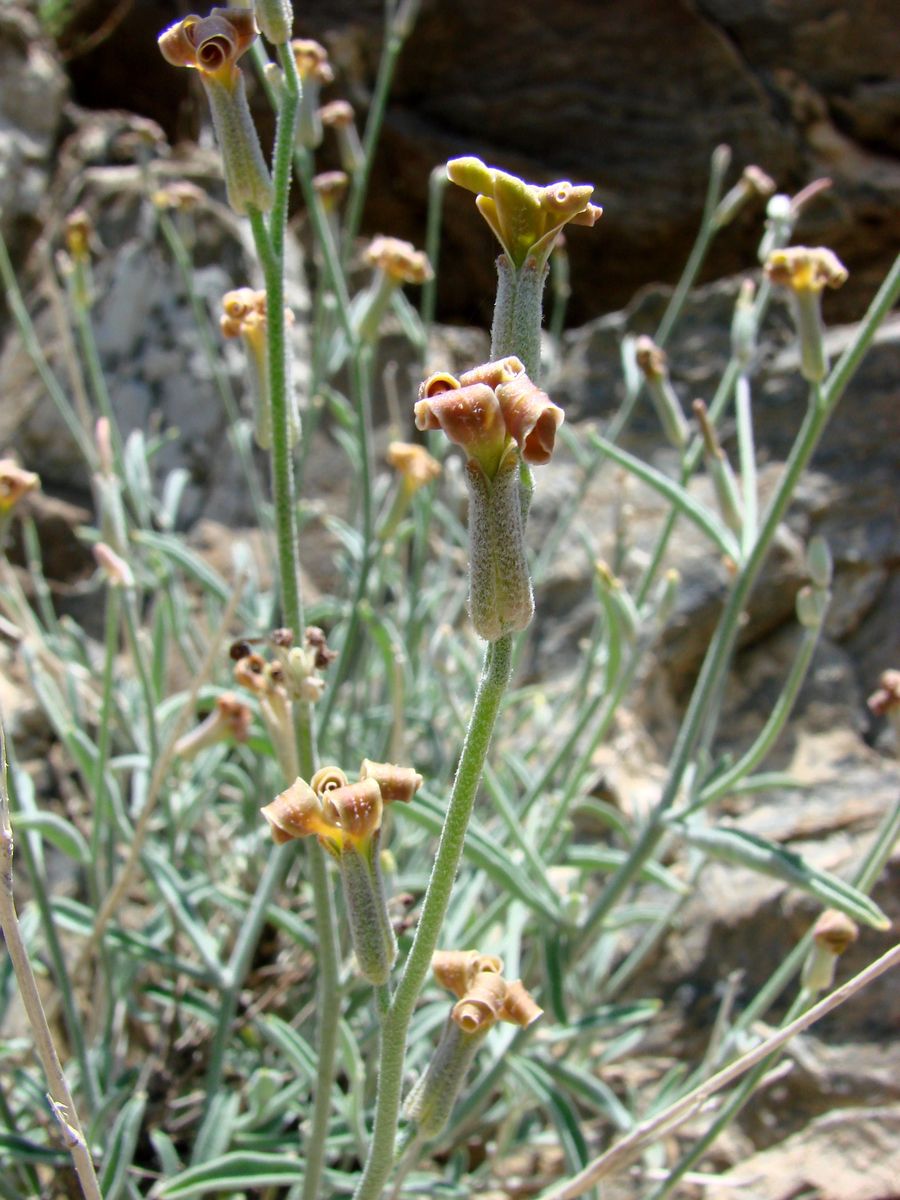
31	101
847	1155
164	374
590	93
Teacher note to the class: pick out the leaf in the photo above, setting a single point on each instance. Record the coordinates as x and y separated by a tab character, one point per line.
234	1172
56	830
705	520
591	1091
121	1147
559	1108
214	1135
295	1048
605	858
749	850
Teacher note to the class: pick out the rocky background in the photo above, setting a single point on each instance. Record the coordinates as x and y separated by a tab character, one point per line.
633	97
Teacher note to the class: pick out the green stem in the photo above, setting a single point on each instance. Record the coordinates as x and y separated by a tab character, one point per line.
491	688
823	400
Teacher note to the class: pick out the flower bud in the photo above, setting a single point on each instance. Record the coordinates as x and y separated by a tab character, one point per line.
753	182
229	718
743	324
275	19
886	698
652	362
812	605
819	562
15	482
118	572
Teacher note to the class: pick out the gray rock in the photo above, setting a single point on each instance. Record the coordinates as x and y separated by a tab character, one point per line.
31	99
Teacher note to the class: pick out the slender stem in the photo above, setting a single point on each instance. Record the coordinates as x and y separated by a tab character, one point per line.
770	732
61	1100
270	245
491	688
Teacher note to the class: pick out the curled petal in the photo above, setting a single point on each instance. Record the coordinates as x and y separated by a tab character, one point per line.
481	1005
356	808
472	174
494	373
519	1008
470	417
395	783
588	216
531	417
326	779
296	813
440	381
457	970
566	199
210	44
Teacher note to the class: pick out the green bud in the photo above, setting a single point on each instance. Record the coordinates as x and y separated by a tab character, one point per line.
500	595
818	561
275	19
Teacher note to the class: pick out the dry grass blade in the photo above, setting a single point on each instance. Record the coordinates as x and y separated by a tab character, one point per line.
624	1152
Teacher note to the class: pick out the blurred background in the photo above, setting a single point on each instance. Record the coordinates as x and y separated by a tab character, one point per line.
632	97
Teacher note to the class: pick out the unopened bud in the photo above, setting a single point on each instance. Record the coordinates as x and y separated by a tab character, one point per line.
275	19
118	572
812	606
651	360
819	562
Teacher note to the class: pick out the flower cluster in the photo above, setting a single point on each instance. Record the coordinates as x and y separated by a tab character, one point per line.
483	995
483	998
337	812
525	217
490	409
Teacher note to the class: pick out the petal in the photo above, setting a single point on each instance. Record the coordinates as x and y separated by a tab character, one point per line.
531	418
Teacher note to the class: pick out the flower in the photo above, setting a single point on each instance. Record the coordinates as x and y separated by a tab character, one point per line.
413	464
526	218
15	482
400	260
244	316
211	45
806	269
806	272
488	409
